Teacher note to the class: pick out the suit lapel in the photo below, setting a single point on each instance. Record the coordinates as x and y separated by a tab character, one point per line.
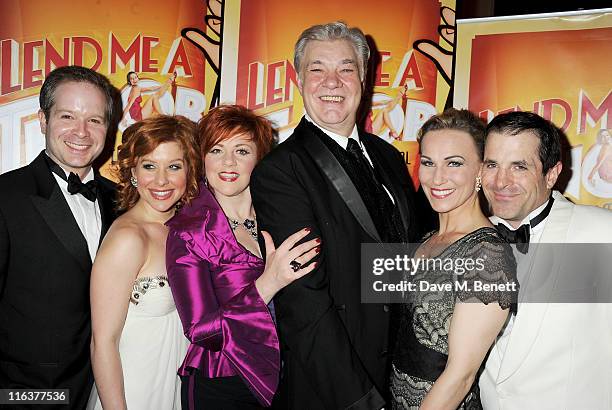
338	178
54	209
558	221
390	183
528	320
530	316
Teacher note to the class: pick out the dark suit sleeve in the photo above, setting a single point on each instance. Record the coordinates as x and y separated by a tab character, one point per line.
309	324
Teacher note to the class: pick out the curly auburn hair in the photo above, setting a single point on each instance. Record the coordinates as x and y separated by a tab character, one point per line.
227	121
143	138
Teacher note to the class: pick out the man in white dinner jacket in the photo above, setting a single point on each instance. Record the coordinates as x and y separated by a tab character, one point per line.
550	355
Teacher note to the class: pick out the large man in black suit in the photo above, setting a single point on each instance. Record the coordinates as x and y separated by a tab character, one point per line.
50	227
350	188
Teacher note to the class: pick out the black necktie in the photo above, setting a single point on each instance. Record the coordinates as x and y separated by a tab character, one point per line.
384	213
354	148
522	235
75	186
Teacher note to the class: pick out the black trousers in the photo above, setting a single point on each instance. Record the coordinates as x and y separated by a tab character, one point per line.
219	393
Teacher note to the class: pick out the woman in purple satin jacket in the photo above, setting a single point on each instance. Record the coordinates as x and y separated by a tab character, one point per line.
221	287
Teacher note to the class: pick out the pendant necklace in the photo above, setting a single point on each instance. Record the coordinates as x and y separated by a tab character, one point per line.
249	224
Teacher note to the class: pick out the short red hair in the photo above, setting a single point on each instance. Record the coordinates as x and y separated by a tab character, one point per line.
227	121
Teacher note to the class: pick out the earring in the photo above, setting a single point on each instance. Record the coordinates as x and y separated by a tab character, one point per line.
134	181
478	184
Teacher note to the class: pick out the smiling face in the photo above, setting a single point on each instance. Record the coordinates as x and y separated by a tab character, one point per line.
448	170
75	131
229	164
161	176
330	84
512	176
133	79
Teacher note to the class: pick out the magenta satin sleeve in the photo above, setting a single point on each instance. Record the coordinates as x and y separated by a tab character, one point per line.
189	278
230	327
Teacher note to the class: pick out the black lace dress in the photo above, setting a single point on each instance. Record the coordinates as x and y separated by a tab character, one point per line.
421	349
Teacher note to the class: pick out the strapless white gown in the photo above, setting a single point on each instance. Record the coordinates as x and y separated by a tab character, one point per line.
152	347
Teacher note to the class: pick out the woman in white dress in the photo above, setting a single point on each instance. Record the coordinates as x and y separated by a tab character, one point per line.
138	342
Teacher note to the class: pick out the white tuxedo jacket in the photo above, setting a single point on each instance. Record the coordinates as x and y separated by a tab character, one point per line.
557	355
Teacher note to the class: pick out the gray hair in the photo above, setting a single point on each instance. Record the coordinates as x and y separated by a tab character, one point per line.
337	30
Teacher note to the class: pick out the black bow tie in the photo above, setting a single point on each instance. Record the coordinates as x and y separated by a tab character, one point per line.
88	190
75	186
521	236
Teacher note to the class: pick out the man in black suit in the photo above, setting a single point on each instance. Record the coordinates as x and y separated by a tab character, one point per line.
350	188
53	215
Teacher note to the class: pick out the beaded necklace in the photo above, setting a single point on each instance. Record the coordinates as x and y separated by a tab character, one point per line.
249	224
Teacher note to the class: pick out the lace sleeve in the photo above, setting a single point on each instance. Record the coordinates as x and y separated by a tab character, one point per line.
493	276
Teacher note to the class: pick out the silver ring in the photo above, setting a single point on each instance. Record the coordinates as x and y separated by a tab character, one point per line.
295	265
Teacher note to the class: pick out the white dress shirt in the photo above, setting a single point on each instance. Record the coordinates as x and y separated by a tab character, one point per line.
85	212
343	142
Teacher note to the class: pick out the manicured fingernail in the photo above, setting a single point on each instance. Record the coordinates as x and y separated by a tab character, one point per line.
307	229
318	249
318	240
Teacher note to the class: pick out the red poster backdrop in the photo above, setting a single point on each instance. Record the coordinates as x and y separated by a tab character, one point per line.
221	50
406	84
111	37
556	66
